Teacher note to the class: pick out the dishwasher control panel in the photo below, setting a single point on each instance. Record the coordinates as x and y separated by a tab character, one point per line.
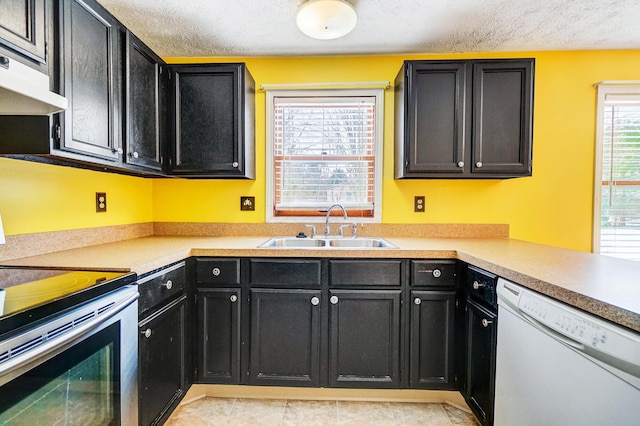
571	323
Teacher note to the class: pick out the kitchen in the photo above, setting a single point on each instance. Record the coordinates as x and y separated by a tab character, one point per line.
60	207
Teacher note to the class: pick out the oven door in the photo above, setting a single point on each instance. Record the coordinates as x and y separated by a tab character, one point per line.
78	368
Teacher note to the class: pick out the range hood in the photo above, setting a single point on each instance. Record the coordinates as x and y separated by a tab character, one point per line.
25	91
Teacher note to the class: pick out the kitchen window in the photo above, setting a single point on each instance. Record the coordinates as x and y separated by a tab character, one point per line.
617	177
324	147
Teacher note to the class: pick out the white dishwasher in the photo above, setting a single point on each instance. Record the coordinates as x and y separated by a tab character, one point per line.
556	365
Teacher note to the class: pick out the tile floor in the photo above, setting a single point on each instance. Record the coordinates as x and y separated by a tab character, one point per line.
254	412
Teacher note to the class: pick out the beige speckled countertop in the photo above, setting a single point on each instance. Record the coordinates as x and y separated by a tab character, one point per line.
607	287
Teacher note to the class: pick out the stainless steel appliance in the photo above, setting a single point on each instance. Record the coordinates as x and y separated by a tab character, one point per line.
68	347
557	365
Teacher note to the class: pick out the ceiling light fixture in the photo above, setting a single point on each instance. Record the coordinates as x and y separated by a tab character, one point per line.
326	19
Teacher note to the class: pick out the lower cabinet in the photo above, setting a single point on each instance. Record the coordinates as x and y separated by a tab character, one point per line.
285	337
481	346
432	340
162	362
218	335
364	338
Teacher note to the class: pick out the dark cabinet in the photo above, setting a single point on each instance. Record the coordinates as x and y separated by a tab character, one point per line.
364	338
285	337
219	308
90	64
481	330
218	347
23	31
464	119
162	362
145	106
164	365
212	121
432	361
481	355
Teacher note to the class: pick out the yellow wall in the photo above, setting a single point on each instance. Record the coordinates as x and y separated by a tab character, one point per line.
39	197
554	206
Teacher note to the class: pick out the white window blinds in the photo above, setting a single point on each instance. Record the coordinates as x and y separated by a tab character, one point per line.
324	153
620	177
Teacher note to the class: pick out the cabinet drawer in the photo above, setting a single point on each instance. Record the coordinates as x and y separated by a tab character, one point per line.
284	272
365	272
433	273
216	271
161	286
481	286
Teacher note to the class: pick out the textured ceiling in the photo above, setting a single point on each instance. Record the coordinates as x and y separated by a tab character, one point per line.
267	27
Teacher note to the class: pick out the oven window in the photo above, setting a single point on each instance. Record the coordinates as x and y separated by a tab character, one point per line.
80	386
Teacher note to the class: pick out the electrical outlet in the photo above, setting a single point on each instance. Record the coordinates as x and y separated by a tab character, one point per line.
101	202
248	203
418	204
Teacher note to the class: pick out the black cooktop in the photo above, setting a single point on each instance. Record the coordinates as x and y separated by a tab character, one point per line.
32	294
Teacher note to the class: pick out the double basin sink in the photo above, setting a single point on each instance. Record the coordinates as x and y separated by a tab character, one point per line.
329	243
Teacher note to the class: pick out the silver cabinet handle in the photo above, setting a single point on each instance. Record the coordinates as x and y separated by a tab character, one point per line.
134	154
315	301
417	301
477	285
233	298
235	164
437	273
333	300
146	333
486	322
216	271
460	163
118	150
168	284
479	164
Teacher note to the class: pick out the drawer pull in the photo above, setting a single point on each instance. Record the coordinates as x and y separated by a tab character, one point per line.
477	285
334	300
417	301
437	273
215	272
168	285
233	298
315	301
486	322
146	333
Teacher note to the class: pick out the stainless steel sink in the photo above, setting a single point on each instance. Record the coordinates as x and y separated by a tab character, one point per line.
329	243
361	243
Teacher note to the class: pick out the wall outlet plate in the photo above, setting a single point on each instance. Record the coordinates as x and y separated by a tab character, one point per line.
248	203
101	202
418	204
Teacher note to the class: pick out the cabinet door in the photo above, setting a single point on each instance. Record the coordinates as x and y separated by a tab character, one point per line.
219	335
23	29
285	337
482	327
162	362
91	80
209	119
364	338
502	117
435	118
432	340
145	105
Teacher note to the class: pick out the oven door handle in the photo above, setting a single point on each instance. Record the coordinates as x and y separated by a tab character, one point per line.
38	354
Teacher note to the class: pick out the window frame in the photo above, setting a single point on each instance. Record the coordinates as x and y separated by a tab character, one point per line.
271	95
603	90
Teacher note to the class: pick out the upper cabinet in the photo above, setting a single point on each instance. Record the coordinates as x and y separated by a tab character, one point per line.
23	31
89	40
464	119
212	121
145	105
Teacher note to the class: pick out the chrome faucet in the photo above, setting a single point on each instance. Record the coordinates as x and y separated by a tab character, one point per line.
326	224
